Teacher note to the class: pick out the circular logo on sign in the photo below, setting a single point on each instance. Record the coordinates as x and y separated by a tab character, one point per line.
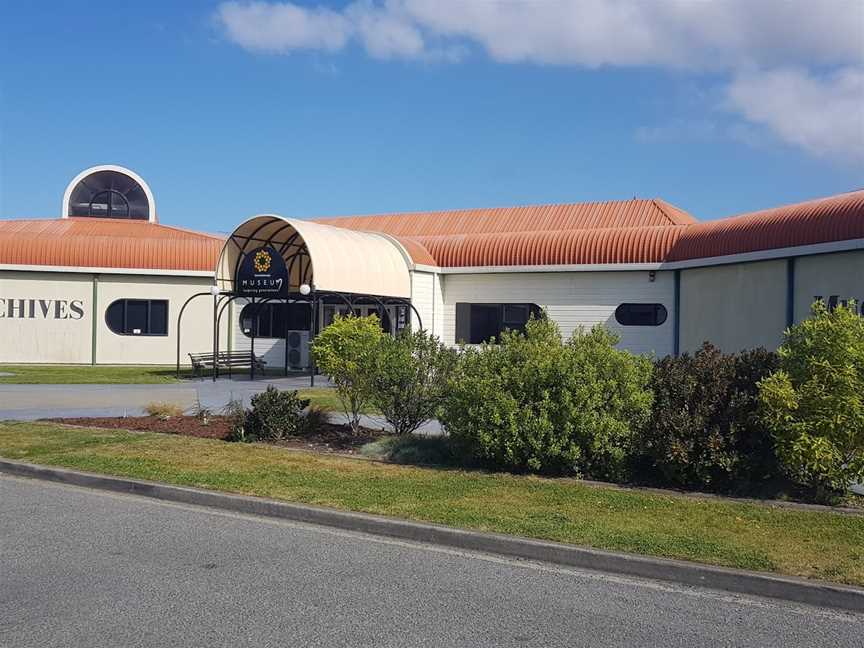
262	261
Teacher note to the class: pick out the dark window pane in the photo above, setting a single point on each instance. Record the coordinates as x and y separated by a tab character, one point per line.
119	206
477	323
640	314
269	320
485	322
158	317
114	316
109	194
136	317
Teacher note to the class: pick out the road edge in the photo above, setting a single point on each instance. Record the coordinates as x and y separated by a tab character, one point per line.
818	593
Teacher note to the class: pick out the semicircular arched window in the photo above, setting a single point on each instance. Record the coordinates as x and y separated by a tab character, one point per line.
109	194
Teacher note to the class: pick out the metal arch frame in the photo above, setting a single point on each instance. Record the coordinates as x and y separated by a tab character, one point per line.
180	319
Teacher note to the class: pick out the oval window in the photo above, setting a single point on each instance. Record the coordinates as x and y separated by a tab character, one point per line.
640	314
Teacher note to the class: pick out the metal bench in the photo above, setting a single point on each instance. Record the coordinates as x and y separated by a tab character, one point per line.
229	359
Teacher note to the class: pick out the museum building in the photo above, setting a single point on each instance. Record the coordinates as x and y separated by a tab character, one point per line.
106	283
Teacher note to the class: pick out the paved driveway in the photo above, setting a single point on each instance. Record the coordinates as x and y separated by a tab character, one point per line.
31	402
23	402
86	568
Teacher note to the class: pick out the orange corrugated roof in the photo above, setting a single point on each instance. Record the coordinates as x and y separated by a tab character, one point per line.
825	220
619	231
630	231
532	218
104	243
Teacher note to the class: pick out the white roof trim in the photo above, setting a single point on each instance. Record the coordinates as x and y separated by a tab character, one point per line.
766	255
585	267
761	255
94	270
151	202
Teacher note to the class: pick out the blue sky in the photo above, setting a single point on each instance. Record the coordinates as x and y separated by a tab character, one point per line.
229	110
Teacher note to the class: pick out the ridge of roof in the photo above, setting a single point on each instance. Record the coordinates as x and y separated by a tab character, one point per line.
662	205
8	223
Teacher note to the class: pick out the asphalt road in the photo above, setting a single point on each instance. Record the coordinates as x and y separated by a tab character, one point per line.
86	568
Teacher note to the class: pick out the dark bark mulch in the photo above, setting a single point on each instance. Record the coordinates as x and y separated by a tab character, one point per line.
329	437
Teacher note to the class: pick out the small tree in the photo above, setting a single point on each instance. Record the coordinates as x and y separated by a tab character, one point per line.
411	379
814	405
347	352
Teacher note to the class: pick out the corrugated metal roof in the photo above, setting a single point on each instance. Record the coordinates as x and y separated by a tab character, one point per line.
619	231
555	247
632	231
104	243
825	220
533	218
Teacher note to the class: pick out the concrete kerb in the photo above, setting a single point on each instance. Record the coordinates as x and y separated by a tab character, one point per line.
741	582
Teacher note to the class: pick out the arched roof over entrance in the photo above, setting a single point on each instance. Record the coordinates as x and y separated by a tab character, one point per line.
331	259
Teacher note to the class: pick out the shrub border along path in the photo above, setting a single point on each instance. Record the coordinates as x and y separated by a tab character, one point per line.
823	545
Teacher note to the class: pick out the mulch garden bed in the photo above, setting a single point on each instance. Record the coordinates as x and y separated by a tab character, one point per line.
329	439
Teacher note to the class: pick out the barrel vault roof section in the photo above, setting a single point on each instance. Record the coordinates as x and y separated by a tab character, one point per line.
615	232
103	243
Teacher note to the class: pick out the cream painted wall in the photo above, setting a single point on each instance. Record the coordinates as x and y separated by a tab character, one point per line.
197	333
572	299
49	333
738	306
824	275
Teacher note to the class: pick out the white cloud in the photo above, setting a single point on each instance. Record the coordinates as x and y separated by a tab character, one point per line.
675	33
768	48
821	114
283	27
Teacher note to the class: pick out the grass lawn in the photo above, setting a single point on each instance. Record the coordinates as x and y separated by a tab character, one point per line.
89	374
323	397
812	544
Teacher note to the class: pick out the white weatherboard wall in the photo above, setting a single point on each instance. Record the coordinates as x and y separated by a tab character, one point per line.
425	292
572	299
53	332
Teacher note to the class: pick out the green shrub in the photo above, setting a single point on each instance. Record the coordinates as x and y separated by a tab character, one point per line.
535	403
814	405
411	377
704	431
275	414
347	352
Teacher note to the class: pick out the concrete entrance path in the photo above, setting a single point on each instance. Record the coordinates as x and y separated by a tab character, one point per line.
28	402
31	402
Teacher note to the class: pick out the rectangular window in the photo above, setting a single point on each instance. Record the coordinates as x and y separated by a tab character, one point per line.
478	323
272	319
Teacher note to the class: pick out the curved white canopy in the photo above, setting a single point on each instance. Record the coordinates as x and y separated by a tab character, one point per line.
329	258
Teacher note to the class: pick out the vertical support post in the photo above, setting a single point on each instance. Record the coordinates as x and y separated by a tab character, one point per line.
677	318
285	335
255	323
313	324
790	291
95	318
215	335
